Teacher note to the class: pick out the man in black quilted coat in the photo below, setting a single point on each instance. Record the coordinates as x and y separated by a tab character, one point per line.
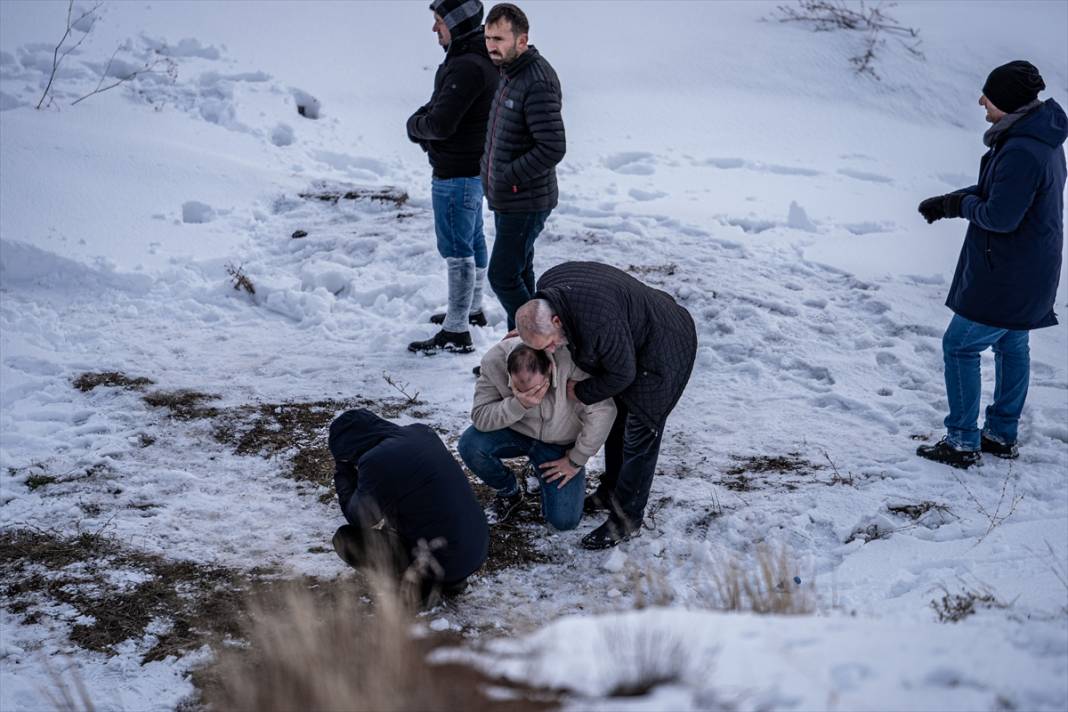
524	142
451	127
638	345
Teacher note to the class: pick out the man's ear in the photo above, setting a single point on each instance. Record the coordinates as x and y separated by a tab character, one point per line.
555	321
522	41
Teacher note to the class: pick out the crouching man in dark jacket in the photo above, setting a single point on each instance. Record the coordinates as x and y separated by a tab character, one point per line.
407	502
1007	274
638	345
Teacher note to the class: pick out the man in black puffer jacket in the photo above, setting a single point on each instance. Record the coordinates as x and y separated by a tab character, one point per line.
524	143
639	346
405	497
452	129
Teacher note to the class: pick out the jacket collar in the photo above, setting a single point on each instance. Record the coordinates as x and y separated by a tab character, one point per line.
520	63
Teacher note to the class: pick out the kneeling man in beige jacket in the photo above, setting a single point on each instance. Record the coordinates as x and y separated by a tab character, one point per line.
521	408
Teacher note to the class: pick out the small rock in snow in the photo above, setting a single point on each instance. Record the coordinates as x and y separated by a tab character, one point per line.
193	211
798	218
615	561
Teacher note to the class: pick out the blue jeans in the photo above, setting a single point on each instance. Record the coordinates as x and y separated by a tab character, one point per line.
458	218
482	453
962	343
511	267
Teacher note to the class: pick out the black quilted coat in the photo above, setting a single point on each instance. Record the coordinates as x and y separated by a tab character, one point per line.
452	126
636	342
525	139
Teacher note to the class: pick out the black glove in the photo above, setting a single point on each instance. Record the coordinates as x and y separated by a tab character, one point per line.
951	204
934	208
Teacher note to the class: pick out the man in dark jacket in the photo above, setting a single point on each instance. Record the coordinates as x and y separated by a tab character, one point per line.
407	500
639	346
1009	266
452	129
524	143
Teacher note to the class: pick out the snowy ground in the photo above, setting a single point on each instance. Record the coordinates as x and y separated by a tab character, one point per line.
738	164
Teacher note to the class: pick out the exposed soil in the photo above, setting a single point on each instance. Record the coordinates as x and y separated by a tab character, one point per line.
89	380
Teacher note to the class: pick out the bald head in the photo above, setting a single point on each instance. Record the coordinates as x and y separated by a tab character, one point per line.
539	327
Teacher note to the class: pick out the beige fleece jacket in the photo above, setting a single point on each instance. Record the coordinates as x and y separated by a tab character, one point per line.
555	420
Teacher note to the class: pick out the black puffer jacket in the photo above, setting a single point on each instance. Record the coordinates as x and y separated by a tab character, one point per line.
406	474
452	126
525	140
636	342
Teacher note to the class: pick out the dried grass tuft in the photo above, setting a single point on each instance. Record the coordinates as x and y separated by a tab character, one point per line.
770	583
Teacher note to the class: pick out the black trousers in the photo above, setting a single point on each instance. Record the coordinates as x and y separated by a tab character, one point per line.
630	456
511	264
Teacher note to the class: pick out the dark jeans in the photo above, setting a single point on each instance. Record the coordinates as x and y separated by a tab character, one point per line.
511	265
630	456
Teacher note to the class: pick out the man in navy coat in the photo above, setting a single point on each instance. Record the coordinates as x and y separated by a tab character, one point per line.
407	502
1006	278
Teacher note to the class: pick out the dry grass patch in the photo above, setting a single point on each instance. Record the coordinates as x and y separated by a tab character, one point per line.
184	404
344	648
89	380
955	607
770	583
117	592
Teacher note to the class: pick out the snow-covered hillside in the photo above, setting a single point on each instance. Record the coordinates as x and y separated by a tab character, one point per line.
738	163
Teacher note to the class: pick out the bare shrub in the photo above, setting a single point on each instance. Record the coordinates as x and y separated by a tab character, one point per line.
999	516
873	20
239	278
769	584
154	65
955	607
63	50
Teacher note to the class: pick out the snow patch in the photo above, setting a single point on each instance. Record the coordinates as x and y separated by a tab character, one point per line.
194	211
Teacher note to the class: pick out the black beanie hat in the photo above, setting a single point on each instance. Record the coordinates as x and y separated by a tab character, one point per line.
460	16
1013	85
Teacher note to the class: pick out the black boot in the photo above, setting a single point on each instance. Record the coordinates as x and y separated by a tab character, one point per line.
455	341
504	508
613	532
596	502
474	318
945	453
997	449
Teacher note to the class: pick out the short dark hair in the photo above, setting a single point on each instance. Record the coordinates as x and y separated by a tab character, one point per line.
508	11
524	359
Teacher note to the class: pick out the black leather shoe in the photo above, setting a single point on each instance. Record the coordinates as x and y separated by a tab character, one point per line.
993	447
458	342
474	318
613	532
596	502
945	453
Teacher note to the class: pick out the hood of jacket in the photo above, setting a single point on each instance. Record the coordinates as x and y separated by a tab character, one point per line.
355	432
1047	123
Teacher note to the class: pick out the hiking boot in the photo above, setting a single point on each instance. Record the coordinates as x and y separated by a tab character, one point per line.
945	453
455	341
504	508
998	449
348	544
474	318
613	532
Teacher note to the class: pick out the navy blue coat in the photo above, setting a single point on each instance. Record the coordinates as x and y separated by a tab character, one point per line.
406	474
1010	263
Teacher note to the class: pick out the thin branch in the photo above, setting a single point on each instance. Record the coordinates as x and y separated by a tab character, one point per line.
57	59
147	69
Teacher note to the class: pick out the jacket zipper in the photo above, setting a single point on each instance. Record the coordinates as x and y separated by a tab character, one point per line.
493	135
